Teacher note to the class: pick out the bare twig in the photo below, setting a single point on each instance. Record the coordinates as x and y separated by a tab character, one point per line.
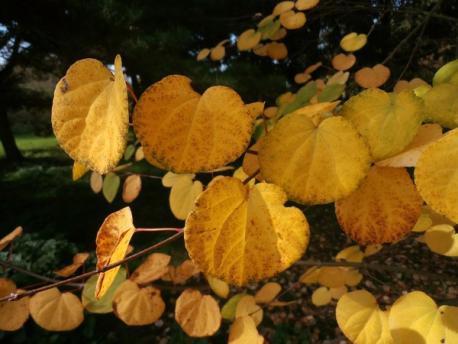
15	296
176	230
251	176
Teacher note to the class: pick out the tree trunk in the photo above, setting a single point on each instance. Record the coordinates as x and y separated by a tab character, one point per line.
12	152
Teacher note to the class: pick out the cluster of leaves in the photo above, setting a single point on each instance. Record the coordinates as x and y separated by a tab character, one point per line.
309	149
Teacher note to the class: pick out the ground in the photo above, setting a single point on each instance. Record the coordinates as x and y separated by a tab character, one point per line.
61	217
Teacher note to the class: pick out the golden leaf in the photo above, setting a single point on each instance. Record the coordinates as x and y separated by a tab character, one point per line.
276	51
89	114
361	320
247	307
338	292
183	195
314	163
13	314
243	331
137	306
383	209
56	311
343	62
403	85
303	5
292	20
267	293
282	7
78	170
248	40
435	177
415	318
321	296
441	105
350	254
310	276
198	315
96	182
372	77
208	131
154	267
217	53
426	134
442	239
387	121
239	234
8	239
353	41
181	273
203	54
112	241
131	188
218	286
78	261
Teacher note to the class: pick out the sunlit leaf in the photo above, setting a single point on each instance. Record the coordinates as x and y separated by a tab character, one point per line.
267	293
343	62
78	170
388	121
183	195
372	77
154	267
403	85
314	163
448	73
321	296
218	286
247	307
282	7
13	314
292	20
229	308
248	40
243	331
441	105
353	41
303	5
181	273
351	254
239	234
89	114
276	50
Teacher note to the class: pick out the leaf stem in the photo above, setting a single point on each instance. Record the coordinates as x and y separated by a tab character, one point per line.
176	230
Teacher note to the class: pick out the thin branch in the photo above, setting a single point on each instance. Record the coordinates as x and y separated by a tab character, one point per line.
15	296
251	176
142	175
9	265
176	230
131	92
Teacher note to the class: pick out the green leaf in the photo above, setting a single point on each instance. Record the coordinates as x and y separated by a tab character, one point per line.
303	97
111	184
130	150
331	93
448	73
269	29
229	308
104	304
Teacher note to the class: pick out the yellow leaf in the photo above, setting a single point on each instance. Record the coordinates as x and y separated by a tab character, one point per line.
314	163
424	222
321	296
56	311
310	276
240	234
208	131
448	73
415	318
338	292
303	5
276	51
243	331
339	78
267	293
353	41
198	315
442	239
139	154
96	182
248	40
302	78
255	109
218	286
154	267
203	54
8	239
332	276
372	77
229	308
271	111
180	274
250	162
426	134
131	188
170	179
241	175
247	306
435	177
89	114
282	7
13	314
279	34
352	277
387	121
217	53
441	105
78	261
137	306
112	242
183	195
78	170
372	249
343	62
361	320
402	85
383	209
351	254
292	20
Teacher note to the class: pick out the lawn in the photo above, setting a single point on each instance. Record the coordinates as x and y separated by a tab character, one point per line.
33	145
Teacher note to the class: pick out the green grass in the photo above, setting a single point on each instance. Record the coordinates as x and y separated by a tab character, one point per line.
30	144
